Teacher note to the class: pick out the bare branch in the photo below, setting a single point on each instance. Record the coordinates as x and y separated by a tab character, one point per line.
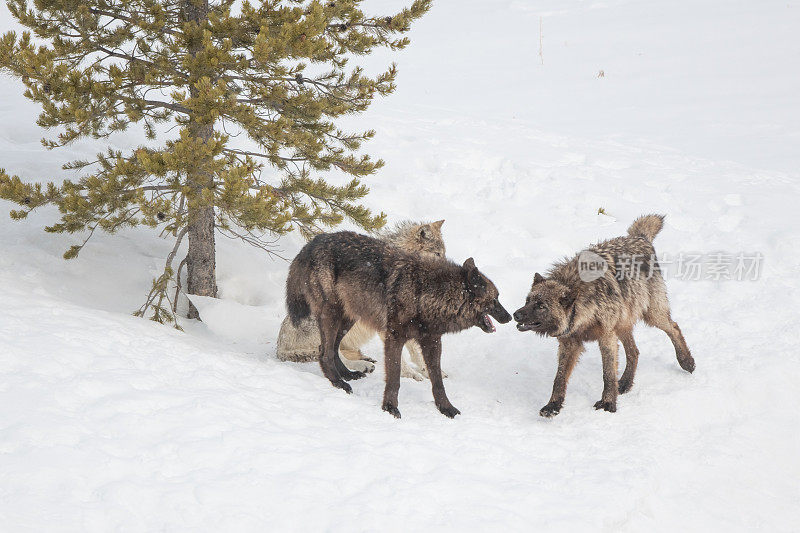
129	20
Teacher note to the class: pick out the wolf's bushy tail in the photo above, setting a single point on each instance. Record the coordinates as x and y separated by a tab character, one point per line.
296	303
646	226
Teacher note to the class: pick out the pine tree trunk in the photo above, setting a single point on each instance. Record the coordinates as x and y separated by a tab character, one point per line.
201	259
200	262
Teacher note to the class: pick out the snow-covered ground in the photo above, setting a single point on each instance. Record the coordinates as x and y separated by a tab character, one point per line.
108	422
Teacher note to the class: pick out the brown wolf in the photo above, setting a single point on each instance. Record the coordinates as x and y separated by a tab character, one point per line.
302	343
577	303
340	278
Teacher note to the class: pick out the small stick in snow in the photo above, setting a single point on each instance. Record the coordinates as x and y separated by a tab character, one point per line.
541	50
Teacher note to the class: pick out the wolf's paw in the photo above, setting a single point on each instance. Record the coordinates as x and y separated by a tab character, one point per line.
409	372
417	375
369	360
687	363
426	374
611	407
551	409
391	409
343	385
625	385
363	366
351	375
449	411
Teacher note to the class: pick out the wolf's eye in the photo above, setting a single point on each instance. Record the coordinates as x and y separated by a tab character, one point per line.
540	305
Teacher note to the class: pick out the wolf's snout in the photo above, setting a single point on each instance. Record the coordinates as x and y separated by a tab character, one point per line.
505	319
518	316
501	314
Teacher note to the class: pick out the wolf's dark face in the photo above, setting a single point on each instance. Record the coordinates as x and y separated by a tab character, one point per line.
485	300
546	309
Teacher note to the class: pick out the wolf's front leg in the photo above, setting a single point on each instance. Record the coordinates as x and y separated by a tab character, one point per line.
568	352
392	353
608	350
432	353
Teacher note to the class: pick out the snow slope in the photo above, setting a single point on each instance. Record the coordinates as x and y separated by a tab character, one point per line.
108	422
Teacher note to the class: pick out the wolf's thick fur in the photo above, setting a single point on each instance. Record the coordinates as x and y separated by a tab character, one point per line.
344	277
302	343
647	226
575	311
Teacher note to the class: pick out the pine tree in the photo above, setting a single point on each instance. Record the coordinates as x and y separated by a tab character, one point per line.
195	74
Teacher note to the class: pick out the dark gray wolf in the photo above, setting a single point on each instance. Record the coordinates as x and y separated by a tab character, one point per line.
303	343
340	278
599	295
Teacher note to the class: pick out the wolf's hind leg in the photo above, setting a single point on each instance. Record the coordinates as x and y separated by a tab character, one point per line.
659	317
355	360
329	326
432	353
357	336
361	365
350	355
344	372
631	360
415	353
419	373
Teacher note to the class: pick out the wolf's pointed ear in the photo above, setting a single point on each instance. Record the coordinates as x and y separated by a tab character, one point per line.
537	278
475	283
469	264
568	299
423	232
438	224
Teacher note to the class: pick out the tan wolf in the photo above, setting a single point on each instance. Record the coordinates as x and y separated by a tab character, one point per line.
599	295
302	343
340	278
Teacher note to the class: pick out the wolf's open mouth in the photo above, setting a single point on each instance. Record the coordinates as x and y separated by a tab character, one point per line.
488	326
528	326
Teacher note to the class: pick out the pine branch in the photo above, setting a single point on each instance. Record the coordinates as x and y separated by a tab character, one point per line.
129	20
